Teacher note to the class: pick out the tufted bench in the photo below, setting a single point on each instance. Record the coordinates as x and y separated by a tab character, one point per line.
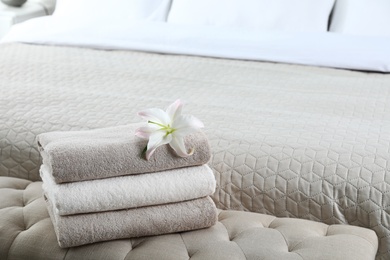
26	232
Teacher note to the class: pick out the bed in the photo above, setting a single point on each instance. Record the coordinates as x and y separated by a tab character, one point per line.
308	139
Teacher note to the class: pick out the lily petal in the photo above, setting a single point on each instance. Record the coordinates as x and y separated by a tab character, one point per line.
186	124
177	144
155	140
155	115
175	109
146	131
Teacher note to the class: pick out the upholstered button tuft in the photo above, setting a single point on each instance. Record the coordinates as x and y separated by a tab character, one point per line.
237	235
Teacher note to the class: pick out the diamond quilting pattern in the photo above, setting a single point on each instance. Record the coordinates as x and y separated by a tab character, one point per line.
290	141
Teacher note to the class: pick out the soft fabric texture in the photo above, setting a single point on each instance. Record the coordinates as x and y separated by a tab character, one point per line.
109	152
26	232
362	17
316	49
275	15
49	5
114	12
287	140
129	191
76	230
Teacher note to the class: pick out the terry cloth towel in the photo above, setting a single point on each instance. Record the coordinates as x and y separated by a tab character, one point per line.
110	152
76	230
129	191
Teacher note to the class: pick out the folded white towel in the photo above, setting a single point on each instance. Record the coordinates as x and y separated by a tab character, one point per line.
128	191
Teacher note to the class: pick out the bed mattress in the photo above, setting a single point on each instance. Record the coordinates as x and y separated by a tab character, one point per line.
287	140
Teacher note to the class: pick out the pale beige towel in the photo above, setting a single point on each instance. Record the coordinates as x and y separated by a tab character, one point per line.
109	152
76	230
130	191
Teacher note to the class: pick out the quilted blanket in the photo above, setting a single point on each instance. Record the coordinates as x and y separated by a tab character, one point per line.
287	140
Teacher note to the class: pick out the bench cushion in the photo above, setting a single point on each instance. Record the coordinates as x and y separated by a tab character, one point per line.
26	232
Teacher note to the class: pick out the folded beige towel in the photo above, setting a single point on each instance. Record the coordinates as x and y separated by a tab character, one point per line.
109	152
130	191
76	230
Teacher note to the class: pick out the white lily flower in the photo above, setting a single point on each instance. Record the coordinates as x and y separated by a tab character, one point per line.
168	127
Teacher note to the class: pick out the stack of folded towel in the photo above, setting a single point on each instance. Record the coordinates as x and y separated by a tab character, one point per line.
99	187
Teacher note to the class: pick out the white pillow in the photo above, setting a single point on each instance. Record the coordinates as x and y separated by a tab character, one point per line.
112	11
48	4
275	15
362	17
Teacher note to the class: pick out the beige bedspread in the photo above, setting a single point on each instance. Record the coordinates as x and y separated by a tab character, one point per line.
287	140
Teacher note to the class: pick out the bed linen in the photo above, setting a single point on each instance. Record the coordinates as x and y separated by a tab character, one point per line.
287	140
114	12
361	17
318	49
276	15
